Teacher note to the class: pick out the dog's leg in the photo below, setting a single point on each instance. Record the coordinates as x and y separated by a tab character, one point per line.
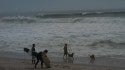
36	63
41	63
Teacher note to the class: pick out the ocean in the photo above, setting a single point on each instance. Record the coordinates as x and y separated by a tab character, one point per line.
99	33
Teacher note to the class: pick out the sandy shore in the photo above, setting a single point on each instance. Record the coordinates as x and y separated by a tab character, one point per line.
25	64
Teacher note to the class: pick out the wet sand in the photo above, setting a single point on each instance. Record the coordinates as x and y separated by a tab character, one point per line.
25	64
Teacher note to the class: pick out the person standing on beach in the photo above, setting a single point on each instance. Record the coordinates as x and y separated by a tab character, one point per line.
65	51
32	53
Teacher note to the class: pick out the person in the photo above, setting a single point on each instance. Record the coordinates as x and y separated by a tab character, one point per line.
39	57
32	53
65	51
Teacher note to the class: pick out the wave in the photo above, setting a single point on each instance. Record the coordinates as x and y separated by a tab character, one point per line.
21	19
61	17
109	43
82	14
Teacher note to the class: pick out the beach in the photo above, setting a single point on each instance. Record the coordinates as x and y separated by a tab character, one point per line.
25	64
101	34
92	30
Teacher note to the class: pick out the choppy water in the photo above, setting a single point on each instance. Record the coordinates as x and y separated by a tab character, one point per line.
102	36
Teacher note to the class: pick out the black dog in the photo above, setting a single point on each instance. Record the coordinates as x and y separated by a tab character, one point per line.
70	58
38	56
71	55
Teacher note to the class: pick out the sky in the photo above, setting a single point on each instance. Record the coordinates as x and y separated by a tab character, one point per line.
51	5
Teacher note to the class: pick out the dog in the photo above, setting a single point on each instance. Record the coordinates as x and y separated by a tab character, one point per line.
70	58
71	55
92	58
39	57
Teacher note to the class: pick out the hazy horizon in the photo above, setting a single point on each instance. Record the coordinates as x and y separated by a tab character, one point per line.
11	6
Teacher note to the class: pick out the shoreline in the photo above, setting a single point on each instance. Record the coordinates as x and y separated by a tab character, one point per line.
100	61
25	64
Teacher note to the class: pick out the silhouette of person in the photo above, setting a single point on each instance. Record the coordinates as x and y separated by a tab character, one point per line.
65	51
32	53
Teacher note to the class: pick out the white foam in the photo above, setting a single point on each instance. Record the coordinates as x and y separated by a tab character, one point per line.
53	36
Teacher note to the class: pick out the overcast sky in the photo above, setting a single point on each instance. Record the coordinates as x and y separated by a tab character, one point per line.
49	5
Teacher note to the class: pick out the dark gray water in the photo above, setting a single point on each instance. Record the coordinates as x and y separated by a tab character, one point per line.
103	36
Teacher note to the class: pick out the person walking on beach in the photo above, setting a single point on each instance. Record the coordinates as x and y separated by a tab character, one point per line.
32	53
65	51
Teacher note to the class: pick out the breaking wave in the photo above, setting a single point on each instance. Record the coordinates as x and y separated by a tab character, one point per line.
60	17
107	43
82	14
21	19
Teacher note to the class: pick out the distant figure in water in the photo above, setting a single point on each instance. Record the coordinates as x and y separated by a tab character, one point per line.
65	51
32	53
92	58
